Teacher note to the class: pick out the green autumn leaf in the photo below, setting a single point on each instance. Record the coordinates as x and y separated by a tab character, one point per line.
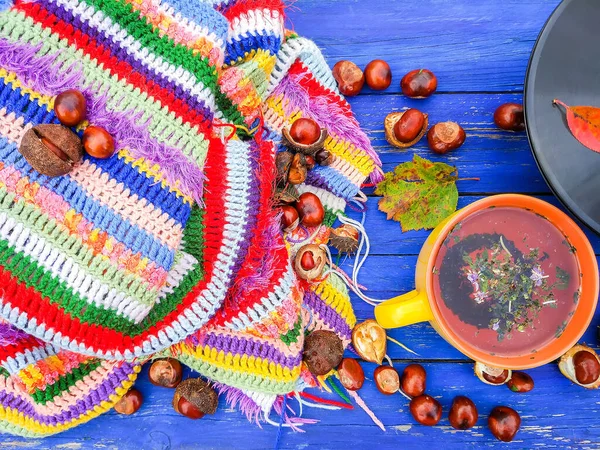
419	194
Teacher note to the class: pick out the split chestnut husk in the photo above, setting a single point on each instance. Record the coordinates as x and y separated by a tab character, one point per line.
344	238
389	124
492	375
311	149
581	365
310	261
369	339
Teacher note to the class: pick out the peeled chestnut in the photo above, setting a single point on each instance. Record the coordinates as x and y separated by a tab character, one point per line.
349	77
520	382
310	210
97	142
420	83
581	365
510	117
323	351
445	136
70	107
165	372
504	422
130	402
414	380
409	126
387	380
463	413
305	131
289	218
194	397
426	410
378	75
351	374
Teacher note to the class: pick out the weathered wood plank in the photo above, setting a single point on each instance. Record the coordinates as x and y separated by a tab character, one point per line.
556	414
472	46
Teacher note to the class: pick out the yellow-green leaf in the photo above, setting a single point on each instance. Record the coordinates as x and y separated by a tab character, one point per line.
419	194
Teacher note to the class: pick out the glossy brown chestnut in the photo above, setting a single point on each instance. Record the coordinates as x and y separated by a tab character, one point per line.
387	380
504	422
414	380
165	372
499	379
323	157
445	136
426	410
97	142
310	161
520	382
420	83
310	209
587	368
289	218
188	409
409	126
70	107
323	351
510	117
305	131
351	373
349	77
130	402
307	261
378	75
463	413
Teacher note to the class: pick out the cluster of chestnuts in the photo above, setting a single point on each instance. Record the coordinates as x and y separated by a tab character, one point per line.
193	397
53	149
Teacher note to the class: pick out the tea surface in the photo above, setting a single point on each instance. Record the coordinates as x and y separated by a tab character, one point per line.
506	281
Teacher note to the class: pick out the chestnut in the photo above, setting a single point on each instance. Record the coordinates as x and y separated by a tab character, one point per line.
97	142
349	77
409	126
305	131
310	261
414	380
387	380
520	382
426	410
310	210
323	157
351	374
445	136
581	365
504	422
323	352
310	161
492	375
289	218
130	402
165	372
463	413
70	107
194	398
510	117
420	83
378	75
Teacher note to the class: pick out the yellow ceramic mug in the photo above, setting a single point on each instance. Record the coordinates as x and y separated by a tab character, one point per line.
420	305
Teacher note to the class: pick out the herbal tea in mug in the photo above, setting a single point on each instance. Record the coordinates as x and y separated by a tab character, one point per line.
506	281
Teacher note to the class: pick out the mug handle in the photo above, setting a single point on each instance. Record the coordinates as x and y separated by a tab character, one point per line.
406	309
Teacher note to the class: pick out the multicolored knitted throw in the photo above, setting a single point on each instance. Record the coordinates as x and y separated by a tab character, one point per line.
172	246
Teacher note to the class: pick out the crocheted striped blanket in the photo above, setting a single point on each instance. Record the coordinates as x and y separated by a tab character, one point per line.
172	246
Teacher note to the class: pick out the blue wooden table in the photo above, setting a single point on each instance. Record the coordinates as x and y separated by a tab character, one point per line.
479	51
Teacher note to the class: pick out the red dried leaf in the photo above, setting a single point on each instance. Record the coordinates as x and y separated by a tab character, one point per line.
584	123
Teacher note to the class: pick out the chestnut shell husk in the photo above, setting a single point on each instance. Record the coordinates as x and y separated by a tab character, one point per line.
481	368
565	364
370	353
344	238
320	258
311	149
390	122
